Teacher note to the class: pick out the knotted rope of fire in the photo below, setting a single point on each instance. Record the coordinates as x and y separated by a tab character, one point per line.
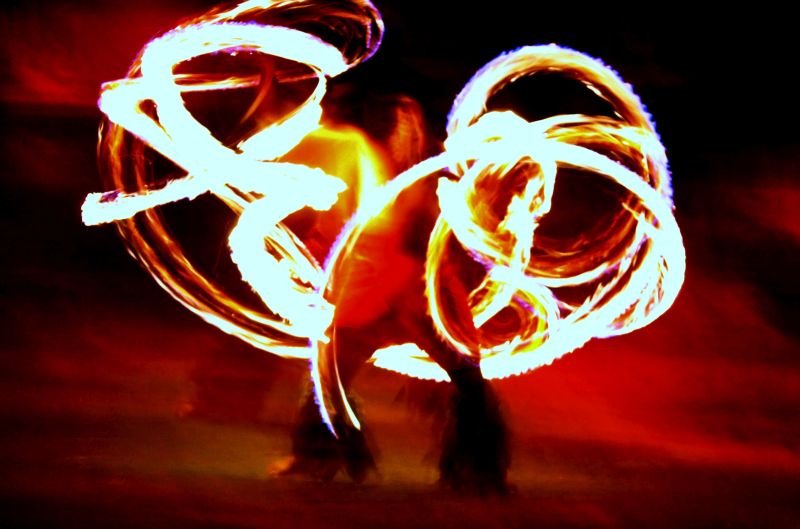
605	283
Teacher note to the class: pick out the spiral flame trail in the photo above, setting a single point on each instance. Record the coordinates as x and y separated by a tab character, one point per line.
634	274
630	272
245	176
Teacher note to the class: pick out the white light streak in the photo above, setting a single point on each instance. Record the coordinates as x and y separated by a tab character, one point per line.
630	284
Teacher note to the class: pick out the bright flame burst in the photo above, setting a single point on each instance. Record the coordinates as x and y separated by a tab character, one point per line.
150	104
608	282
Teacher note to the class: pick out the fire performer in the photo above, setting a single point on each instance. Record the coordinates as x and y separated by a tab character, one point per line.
448	269
380	302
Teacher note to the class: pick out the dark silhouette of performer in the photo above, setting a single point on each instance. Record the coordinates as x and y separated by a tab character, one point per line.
380	300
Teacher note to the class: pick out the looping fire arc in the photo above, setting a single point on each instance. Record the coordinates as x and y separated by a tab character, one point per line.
617	277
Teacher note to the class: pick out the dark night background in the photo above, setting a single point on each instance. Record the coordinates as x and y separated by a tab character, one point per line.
118	408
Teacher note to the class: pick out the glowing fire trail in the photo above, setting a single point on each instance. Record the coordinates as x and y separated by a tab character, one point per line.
630	272
630	285
245	176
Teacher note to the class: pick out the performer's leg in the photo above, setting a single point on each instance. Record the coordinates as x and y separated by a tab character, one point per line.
354	348
316	452
475	453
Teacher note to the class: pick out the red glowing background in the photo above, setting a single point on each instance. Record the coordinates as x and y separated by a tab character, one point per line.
119	408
